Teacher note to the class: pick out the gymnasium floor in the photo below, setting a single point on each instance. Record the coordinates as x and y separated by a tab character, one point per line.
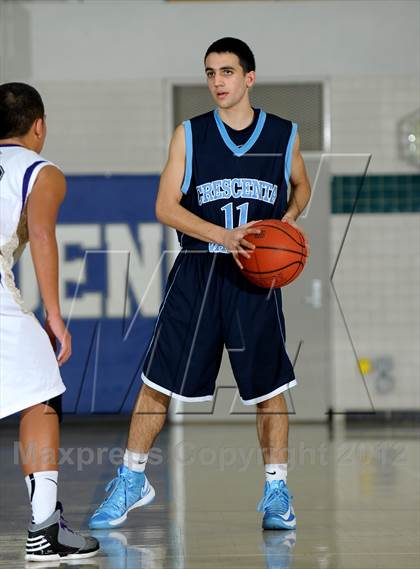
356	499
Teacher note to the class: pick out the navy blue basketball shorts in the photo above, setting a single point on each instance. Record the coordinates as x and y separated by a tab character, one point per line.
207	304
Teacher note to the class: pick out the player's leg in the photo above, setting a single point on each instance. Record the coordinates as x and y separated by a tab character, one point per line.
148	419
39	436
49	538
263	371
182	361
272	428
131	489
273	431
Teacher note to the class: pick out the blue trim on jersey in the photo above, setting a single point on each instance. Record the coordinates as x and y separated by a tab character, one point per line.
188	157
240	150
289	151
26	179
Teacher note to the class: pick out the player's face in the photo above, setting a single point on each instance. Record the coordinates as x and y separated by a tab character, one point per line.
226	79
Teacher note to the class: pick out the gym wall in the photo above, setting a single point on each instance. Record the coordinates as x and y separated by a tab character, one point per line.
105	71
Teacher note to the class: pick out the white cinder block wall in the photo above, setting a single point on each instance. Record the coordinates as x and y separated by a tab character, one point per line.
106	126
365	111
377	282
103	66
378	275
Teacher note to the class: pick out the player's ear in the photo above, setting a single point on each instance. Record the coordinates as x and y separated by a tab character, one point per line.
39	127
250	79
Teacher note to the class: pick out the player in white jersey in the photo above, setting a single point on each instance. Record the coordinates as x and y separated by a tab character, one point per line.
31	191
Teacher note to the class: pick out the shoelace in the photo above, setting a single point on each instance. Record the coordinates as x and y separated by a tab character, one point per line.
63	522
279	495
112	486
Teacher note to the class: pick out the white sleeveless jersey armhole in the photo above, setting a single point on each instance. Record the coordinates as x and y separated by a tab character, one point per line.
29	373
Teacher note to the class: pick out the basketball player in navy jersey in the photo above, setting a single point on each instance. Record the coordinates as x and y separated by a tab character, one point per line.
226	170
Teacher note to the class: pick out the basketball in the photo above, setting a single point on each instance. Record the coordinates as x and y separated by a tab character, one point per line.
279	256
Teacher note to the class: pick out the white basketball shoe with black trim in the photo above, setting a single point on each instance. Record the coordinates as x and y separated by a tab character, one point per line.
53	540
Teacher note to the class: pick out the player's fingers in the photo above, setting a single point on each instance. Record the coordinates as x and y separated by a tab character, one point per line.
250	223
302	232
306	242
65	351
237	261
241	234
243	252
63	357
252	231
236	243
245	243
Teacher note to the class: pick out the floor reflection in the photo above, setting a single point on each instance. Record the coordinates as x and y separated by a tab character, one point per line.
120	554
278	548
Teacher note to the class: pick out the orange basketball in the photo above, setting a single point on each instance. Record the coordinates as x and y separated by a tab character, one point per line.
279	256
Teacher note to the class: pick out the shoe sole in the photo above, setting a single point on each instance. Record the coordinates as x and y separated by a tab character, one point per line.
47	558
280	525
119	521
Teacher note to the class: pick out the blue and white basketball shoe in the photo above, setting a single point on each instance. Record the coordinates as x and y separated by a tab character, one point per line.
277	506
128	490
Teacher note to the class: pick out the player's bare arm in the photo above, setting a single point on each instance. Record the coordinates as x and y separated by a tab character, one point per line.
300	187
170	212
43	205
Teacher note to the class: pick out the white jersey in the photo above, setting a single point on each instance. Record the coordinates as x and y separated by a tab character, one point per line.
19	168
29	373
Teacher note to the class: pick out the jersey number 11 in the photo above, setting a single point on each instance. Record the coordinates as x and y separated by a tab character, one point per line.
243	214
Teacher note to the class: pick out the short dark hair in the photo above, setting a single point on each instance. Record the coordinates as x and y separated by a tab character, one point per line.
236	46
20	106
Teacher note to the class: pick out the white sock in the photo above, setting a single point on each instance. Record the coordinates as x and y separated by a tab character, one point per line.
135	460
276	472
42	490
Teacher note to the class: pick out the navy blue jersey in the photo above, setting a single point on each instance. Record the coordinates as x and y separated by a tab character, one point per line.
228	183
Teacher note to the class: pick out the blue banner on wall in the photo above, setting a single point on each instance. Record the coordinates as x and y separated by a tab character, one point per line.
112	274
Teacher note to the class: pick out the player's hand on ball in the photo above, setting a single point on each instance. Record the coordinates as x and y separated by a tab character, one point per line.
236	243
56	330
293	223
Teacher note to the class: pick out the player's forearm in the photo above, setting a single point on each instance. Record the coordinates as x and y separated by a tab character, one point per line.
299	197
45	258
179	218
